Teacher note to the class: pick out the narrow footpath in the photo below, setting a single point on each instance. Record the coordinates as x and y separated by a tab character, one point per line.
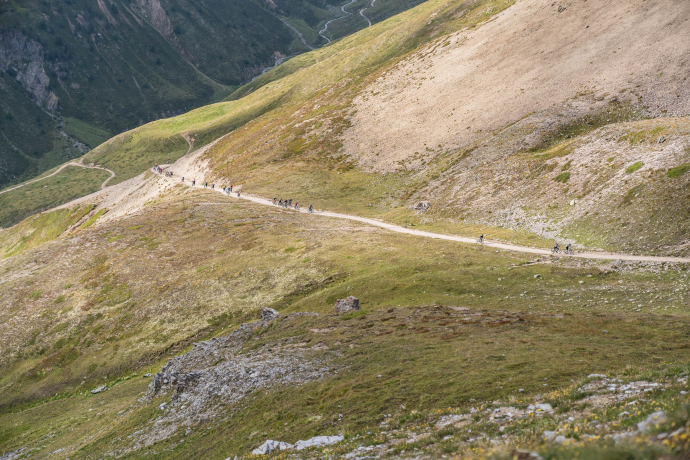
103	185
459	239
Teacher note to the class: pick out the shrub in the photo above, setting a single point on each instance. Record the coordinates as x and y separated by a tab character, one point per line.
634	167
678	170
562	177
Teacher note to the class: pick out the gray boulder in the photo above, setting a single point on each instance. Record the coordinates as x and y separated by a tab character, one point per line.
268	314
318	441
269	446
99	389
345	305
422	206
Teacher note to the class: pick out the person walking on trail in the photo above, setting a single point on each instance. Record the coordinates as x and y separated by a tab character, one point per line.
193	182
205	184
182	178
213	186
231	187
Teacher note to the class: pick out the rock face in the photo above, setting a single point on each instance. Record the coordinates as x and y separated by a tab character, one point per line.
217	374
422	206
24	57
345	305
268	314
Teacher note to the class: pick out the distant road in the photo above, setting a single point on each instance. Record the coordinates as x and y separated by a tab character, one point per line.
103	185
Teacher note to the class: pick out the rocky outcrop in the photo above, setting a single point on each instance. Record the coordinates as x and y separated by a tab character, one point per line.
346	305
268	314
217	374
22	58
154	12
422	206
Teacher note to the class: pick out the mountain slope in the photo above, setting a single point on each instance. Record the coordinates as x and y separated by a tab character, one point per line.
74	68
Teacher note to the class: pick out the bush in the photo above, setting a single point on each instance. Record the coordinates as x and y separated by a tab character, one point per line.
634	167
563	177
678	170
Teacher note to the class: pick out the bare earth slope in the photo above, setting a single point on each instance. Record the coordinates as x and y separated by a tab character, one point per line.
529	57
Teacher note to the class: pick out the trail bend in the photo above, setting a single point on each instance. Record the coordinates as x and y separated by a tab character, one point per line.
460	239
103	185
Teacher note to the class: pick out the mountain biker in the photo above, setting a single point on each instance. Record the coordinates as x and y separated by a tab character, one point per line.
231	188
311	208
481	238
213	186
555	247
193	182
238	194
182	178
568	248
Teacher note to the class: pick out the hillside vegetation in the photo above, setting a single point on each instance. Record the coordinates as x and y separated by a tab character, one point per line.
508	118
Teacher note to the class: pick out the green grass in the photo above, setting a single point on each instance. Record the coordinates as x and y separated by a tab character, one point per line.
562	177
72	182
86	133
678	171
39	230
634	167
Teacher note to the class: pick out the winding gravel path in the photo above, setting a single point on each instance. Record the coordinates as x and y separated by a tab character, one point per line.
361	12
462	239
103	185
347	13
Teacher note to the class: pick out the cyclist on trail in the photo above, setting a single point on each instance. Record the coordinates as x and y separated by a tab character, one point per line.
213	186
231	188
568	248
311	208
556	248
275	200
481	238
205	184
290	204
296	205
280	202
238	194
182	178
193	182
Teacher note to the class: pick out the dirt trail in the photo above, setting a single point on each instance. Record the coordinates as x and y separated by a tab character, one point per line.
103	185
461	239
342	8
361	12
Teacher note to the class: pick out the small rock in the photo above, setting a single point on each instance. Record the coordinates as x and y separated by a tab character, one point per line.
537	276
521	390
596	376
625	413
99	389
346	305
270	445
662	139
550	435
147	375
560	439
581	282
163	406
525	455
655	419
268	314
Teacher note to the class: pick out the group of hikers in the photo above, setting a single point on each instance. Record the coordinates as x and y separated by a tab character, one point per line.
556	248
288	204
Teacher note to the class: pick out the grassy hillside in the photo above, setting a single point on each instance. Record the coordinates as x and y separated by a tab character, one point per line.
70	183
103	319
